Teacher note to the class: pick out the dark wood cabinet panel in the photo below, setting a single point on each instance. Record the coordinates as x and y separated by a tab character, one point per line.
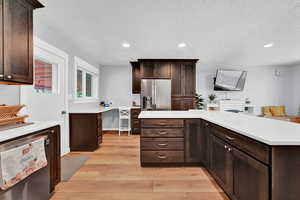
162	157
155	70
221	164
250	177
188	79
135	122
192	141
183	103
162	132
136	78
17	32
162	70
162	144
176	79
85	132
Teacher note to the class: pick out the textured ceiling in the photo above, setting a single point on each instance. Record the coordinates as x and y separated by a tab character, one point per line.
218	32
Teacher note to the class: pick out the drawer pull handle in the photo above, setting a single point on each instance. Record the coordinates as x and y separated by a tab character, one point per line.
162	144
225	146
229	149
162	156
162	124
162	132
229	138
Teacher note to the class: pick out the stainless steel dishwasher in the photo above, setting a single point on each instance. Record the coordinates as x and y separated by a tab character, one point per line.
34	187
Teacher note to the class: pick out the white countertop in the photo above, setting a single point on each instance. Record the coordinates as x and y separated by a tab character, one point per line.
97	110
268	131
25	130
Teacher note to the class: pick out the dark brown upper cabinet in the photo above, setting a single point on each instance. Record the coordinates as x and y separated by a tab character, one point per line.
136	77
16	41
184	79
155	69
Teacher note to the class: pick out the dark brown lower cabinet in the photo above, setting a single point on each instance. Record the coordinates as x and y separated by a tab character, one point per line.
250	177
241	176
221	164
85	131
135	122
193	141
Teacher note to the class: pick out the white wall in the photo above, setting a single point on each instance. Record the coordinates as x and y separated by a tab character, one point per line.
262	86
9	95
116	85
293	97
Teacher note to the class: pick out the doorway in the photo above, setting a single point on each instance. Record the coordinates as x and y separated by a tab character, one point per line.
47	98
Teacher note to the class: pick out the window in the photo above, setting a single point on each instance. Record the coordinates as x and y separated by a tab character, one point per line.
45	75
87	80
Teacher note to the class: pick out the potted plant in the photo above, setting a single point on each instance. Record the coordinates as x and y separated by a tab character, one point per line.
199	101
212	98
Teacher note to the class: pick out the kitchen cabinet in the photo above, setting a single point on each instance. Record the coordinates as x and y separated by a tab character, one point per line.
221	164
250	177
135	122
162	142
183	85
17	41
242	176
155	69
136	77
193	141
85	131
183	103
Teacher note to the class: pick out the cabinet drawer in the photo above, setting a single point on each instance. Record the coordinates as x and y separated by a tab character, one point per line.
258	150
162	144
159	132
162	123
162	156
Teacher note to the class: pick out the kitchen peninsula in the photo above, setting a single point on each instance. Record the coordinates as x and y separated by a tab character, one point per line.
249	157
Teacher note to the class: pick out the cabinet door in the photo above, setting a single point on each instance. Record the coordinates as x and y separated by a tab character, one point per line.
162	70
136	78
183	103
193	141
251	178
147	70
18	42
221	164
176	79
188	80
203	137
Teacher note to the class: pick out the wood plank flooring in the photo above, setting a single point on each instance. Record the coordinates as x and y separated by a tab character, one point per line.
113	172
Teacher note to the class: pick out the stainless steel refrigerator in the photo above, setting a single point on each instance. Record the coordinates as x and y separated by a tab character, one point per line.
156	94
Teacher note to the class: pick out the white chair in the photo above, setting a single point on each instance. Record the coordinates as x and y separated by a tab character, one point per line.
124	120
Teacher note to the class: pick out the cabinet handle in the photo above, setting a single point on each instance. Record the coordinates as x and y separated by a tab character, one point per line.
1	75
229	149
9	77
162	144
229	138
225	146
52	131
162	156
162	132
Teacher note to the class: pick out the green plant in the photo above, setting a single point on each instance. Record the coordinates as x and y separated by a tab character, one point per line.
199	101
212	97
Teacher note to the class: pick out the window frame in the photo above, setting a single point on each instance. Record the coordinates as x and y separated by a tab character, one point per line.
92	70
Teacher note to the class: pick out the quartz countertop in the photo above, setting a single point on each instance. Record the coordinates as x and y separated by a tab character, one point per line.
268	131
25	130
98	110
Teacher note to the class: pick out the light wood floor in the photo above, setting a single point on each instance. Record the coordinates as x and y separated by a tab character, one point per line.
113	172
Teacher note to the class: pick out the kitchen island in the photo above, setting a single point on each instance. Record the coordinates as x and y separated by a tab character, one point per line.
249	157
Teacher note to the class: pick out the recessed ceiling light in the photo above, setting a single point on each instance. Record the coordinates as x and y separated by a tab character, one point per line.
182	45
269	45
125	45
